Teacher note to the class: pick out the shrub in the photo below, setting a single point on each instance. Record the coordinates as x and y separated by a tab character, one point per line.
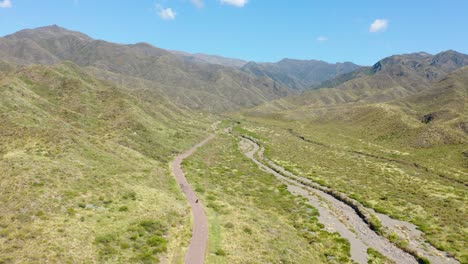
158	243
147	257
248	230
154	227
423	260
200	190
71	212
129	195
220	252
105	239
123	209
124	245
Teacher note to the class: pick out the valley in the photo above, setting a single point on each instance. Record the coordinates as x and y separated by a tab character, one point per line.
129	153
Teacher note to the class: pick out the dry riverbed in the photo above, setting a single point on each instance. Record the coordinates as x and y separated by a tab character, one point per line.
340	217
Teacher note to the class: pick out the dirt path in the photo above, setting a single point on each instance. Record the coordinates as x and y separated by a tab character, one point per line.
335	215
197	248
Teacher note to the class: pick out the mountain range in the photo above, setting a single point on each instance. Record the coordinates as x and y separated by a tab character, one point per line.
415	89
89	126
300	74
216	84
201	79
196	85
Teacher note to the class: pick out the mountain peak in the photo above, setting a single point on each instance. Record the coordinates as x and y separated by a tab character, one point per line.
450	59
46	32
451	53
53	27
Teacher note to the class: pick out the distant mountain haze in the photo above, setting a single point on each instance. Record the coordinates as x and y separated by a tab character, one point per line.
217	84
300	74
391	78
201	86
212	59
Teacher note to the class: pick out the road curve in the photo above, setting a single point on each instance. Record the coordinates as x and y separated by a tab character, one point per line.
197	248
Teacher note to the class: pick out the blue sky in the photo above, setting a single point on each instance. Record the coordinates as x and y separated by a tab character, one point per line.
360	31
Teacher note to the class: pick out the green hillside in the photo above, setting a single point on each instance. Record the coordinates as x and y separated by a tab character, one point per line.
84	169
89	128
389	79
405	157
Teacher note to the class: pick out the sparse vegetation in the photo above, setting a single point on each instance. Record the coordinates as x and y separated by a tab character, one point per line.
88	127
251	214
82	161
375	257
378	173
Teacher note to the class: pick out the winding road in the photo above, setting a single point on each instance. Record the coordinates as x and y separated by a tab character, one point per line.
197	248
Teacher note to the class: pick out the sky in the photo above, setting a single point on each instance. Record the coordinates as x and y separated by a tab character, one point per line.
359	31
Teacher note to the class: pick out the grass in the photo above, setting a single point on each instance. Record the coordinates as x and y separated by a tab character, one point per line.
84	170
369	170
252	214
375	257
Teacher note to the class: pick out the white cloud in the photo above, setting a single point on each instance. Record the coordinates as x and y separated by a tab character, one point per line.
379	25
166	13
237	3
198	3
6	4
322	39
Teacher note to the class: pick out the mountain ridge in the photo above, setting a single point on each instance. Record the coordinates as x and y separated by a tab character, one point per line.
216	88
299	74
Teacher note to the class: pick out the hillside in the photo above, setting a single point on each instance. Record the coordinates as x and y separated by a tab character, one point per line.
201	86
89	129
390	79
405	157
438	109
84	167
300	74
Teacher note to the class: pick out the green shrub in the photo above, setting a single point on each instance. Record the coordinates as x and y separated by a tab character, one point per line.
123	209
248	230
200	190
105	239
124	245
154	227
220	252
71	212
158	243
423	260
129	195
147	257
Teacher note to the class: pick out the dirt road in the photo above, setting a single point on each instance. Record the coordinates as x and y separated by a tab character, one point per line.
197	249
